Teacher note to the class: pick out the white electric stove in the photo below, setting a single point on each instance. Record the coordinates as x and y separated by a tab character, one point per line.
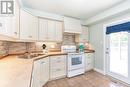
76	61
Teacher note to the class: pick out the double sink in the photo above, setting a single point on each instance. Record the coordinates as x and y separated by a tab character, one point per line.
30	55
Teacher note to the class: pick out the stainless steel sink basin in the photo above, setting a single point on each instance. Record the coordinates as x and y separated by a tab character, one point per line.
30	55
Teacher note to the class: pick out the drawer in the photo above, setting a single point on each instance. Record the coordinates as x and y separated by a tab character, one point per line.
57	67
89	60
57	73
89	66
57	61
57	58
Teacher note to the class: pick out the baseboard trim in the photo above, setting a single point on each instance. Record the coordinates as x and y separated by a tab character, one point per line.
99	71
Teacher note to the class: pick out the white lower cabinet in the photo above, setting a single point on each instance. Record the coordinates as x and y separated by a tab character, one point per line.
40	73
44	71
54	67
89	61
35	82
57	66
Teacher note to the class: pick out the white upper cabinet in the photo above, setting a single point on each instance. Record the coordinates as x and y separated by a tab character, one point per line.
59	31
28	26
84	36
50	30
9	25
43	29
72	25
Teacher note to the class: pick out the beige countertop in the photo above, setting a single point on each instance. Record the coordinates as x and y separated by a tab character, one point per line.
16	72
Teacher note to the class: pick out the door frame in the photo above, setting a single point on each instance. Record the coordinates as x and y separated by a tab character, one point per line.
105	40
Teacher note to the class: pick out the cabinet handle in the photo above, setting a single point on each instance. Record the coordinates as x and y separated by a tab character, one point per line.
58	61
30	36
0	24
15	33
42	62
58	70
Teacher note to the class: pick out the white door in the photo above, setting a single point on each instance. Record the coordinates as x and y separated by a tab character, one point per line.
118	58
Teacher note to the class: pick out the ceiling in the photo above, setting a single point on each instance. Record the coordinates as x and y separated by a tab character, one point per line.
82	9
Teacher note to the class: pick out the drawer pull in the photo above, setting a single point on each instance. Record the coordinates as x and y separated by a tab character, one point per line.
42	62
58	61
30	36
58	70
0	24
15	33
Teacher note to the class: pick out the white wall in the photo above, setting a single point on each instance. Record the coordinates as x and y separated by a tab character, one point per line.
97	38
114	11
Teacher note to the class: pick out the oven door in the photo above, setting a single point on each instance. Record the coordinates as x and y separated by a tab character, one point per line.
75	61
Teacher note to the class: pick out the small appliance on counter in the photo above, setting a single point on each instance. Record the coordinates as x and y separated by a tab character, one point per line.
76	61
68	48
44	48
81	47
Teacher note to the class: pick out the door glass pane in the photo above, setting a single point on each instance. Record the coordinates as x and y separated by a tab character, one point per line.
76	61
119	53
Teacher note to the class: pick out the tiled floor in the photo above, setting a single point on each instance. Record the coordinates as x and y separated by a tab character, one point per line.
90	79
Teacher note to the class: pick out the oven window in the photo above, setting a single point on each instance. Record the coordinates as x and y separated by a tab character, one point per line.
76	61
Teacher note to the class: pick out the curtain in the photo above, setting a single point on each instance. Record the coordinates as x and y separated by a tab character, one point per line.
118	28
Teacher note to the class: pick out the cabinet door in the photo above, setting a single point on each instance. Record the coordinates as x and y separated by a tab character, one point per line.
28	26
43	29
9	26
72	25
59	31
44	71
36	75
89	61
84	36
14	32
51	30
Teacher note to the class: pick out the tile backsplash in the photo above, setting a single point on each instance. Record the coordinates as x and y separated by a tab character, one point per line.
3	48
68	39
15	47
7	47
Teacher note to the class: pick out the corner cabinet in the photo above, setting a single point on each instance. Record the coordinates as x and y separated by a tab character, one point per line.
40	75
50	30
9	25
84	36
89	61
28	26
72	25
